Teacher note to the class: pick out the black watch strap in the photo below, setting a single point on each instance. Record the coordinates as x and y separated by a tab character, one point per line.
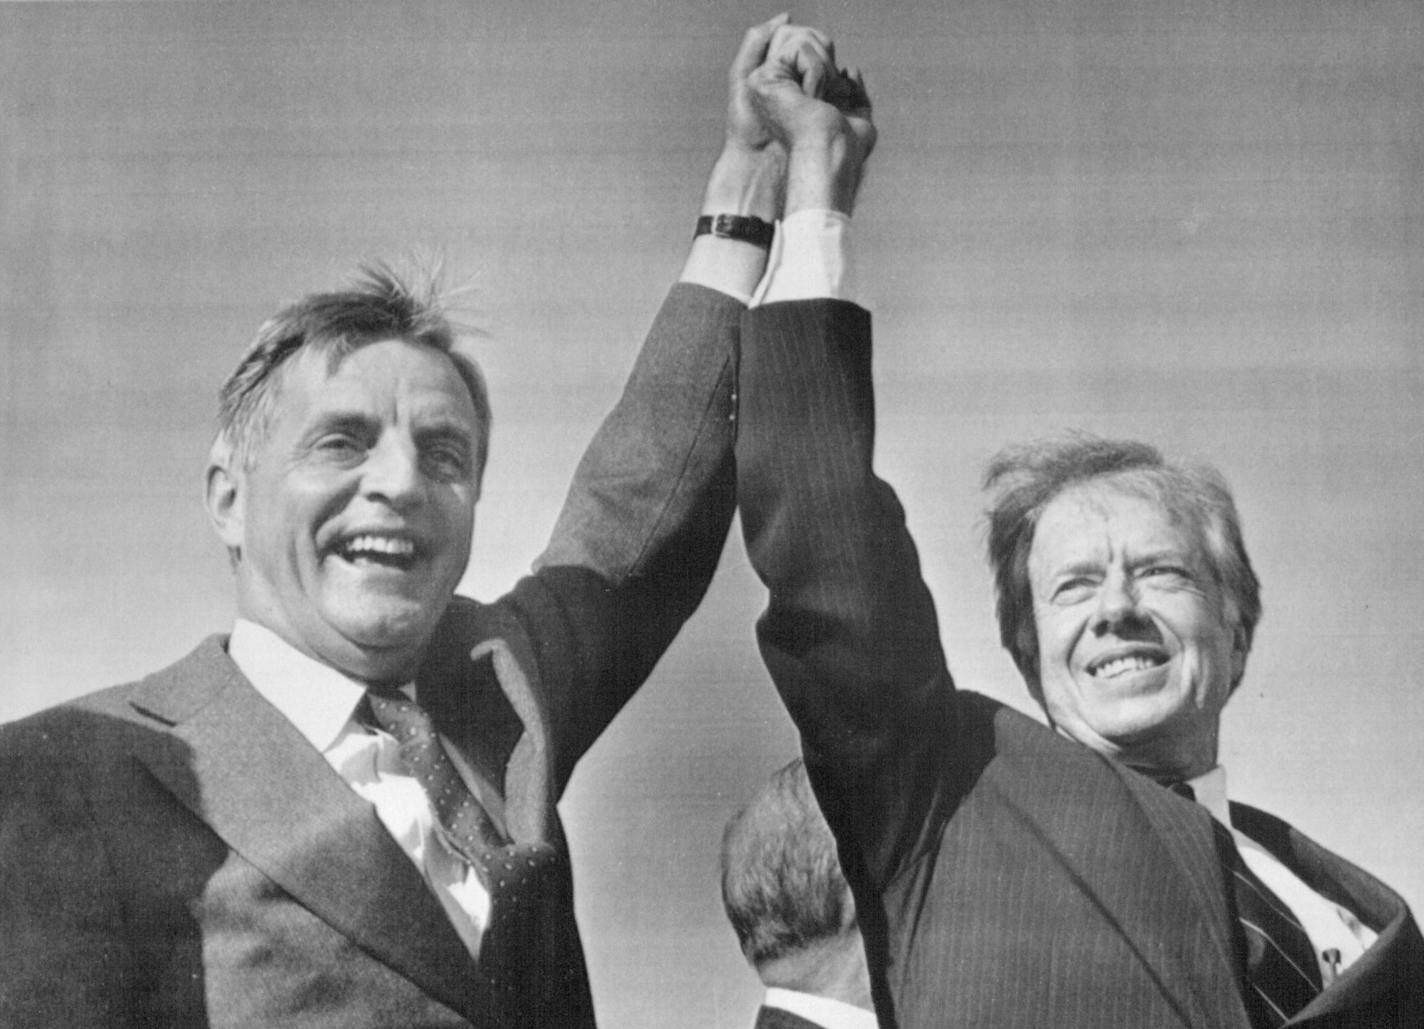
742	227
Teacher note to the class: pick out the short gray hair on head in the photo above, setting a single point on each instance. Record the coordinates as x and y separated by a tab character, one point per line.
782	885
1025	478
378	305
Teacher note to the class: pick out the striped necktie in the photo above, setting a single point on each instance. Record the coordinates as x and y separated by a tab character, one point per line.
1281	974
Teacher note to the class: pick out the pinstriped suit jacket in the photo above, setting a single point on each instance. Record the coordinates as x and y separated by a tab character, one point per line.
1005	876
174	854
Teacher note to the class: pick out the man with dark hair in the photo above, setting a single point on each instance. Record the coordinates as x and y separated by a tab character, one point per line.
1087	873
343	813
792	911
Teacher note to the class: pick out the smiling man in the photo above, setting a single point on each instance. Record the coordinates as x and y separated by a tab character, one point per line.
1131	611
343	813
1087	873
345	487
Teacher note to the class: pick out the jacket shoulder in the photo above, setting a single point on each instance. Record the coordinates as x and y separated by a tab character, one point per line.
83	724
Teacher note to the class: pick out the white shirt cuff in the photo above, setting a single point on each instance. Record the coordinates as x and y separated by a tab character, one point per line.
810	259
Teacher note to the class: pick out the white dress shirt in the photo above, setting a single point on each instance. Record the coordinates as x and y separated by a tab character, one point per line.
321	703
1336	934
833	1014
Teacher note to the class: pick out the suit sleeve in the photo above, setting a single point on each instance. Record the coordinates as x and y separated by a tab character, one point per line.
643	526
849	634
64	959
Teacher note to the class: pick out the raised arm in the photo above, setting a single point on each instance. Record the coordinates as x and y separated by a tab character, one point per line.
660	463
850	634
650	504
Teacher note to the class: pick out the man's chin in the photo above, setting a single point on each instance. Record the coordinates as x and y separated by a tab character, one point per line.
382	646
1133	727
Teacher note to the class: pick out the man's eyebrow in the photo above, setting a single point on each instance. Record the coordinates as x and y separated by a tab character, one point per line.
447	432
1157	555
349	421
1078	566
445	428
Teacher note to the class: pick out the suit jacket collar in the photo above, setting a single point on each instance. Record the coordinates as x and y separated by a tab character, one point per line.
237	764
1186	829
498	718
1391	960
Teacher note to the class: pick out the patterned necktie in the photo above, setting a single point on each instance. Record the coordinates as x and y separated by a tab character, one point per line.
527	944
461	821
1282	975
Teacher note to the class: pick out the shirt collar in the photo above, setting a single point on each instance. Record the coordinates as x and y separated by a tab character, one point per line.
834	1014
314	697
1210	791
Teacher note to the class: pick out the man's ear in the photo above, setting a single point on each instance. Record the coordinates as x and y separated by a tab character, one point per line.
225	497
1026	660
1240	647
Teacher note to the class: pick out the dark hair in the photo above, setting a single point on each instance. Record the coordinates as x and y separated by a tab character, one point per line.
1026	478
782	885
378	305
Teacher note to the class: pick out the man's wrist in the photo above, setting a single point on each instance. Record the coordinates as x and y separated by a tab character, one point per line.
823	173
746	181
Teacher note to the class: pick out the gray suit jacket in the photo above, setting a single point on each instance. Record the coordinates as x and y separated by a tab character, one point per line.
174	853
1003	875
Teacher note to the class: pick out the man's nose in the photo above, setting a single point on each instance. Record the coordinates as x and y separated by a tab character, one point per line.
392	473
1118	604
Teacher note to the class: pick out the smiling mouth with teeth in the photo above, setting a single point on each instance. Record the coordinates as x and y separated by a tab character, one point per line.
1125	665
393	551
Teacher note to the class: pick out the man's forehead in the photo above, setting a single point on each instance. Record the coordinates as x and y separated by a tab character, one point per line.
1102	517
324	376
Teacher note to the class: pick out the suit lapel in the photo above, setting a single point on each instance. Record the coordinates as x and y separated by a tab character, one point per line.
1144	857
1397	953
497	718
1184	844
1185	829
237	764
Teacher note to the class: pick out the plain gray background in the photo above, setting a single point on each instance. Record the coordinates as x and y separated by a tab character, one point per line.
1197	223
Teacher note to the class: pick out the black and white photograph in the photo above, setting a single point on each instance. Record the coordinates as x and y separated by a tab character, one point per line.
651	514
